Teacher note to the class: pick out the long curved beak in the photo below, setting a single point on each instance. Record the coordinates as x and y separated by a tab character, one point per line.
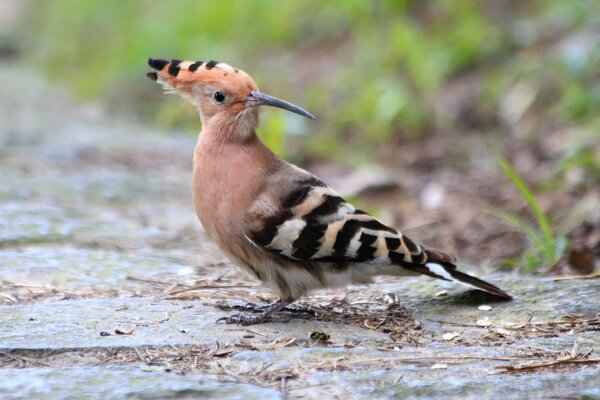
261	99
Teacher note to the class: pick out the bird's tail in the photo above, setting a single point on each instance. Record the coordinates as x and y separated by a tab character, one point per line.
439	266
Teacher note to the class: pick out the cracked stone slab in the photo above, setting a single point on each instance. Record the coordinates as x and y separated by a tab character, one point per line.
91	383
80	269
536	299
31	223
113	188
77	324
396	384
73	324
411	373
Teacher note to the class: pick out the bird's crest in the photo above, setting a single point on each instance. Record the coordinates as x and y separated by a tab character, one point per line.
179	76
216	78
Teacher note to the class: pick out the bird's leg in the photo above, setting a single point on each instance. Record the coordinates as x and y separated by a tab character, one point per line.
251	320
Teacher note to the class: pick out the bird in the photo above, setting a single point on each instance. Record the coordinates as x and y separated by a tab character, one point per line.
278	222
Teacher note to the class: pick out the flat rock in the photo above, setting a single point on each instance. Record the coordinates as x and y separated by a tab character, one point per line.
82	270
396	383
356	362
474	372
537	301
78	324
121	383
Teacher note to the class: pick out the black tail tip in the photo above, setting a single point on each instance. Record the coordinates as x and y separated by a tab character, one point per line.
502	294
478	283
494	290
157	63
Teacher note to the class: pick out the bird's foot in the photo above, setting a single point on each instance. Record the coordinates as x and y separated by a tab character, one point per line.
251	307
240	319
244	320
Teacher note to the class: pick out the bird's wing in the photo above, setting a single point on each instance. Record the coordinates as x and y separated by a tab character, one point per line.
311	222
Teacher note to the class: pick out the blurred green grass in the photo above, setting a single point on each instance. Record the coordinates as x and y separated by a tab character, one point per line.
371	70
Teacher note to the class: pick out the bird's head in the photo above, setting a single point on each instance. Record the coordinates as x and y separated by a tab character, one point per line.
225	96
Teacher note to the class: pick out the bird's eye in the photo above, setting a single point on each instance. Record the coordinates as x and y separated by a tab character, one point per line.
219	97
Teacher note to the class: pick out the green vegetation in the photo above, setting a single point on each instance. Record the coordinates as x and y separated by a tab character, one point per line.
548	247
393	59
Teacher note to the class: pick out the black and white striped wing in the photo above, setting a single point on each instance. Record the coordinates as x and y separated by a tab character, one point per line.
313	223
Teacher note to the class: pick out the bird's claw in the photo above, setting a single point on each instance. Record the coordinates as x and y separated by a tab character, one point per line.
250	307
264	316
244	320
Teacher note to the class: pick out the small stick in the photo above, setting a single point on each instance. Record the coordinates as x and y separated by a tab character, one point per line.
138	354
24	359
577	277
569	360
210	287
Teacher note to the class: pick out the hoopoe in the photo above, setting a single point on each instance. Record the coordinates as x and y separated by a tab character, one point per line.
279	222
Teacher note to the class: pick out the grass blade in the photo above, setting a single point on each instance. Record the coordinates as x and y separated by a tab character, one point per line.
549	244
521	225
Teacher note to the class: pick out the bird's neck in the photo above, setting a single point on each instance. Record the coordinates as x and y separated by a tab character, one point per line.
228	176
240	127
226	154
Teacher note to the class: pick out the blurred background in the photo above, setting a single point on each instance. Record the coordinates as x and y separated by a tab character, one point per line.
474	125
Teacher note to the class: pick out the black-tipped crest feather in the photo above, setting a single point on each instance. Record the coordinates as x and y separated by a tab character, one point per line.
157	64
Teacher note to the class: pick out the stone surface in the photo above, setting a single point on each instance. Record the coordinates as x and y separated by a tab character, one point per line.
88	383
85	269
77	325
393	384
536	300
355	363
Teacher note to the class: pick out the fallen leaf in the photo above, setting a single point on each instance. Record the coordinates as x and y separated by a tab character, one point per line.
371	323
493	336
120	331
450	335
399	328
582	259
503	331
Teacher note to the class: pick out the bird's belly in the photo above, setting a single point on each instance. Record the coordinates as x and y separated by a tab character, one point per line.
293	280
